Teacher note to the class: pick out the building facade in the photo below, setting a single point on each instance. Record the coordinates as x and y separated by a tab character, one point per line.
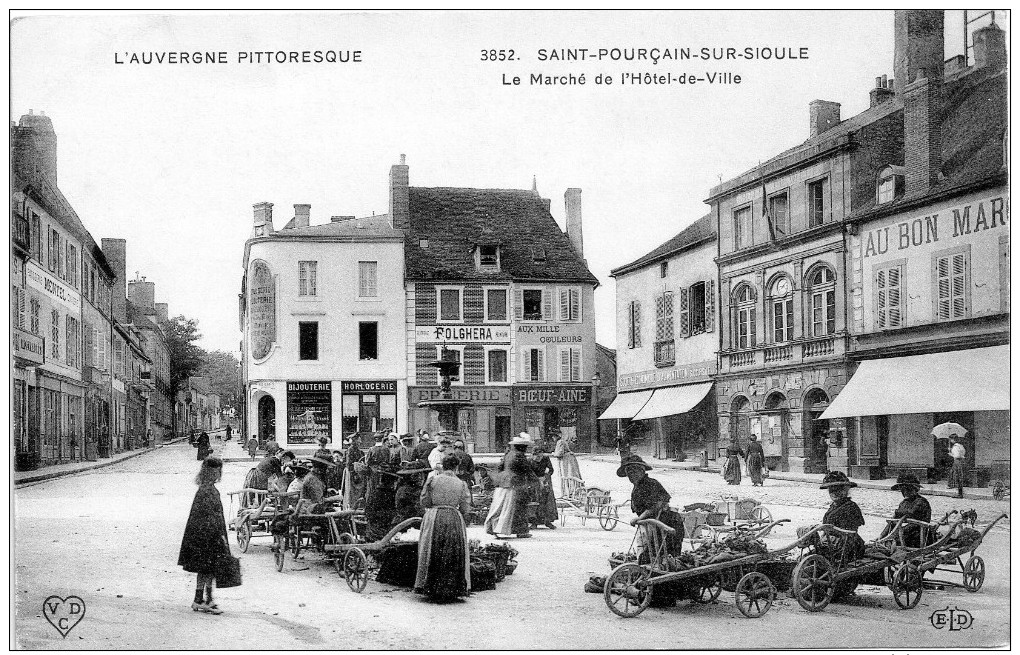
323	316
147	316
667	331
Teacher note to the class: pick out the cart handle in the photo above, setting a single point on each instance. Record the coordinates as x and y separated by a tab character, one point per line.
656	523
344	513
761	532
988	527
247	490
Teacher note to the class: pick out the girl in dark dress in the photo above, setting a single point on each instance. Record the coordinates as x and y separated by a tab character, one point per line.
542	489
733	453
755	461
205	536
844	513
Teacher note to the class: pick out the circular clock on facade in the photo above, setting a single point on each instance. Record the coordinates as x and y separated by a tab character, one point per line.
782	287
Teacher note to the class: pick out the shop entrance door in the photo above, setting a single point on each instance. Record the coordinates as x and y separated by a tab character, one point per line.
502	428
267	418
816	430
369	413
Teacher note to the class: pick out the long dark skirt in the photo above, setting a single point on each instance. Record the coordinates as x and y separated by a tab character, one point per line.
380	506
521	523
754	466
444	563
546	510
732	469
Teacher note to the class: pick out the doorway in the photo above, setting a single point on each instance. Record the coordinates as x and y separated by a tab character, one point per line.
502	428
816	431
775	431
266	418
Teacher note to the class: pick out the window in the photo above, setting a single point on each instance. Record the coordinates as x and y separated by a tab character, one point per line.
423	243
533	365
889	297
495	305
744	317
54	256
450	304
663	269
368	279
307	278
118	356
73	349
34	305
696	298
779	213
781	306
742	228
456	353
817	192
952	279
37	238
886	185
634	324
488	257
18	310
570	305
71	270
308	340
570	364
368	340
533	304
55	335
92	283
664	316
822	287
496	365
537	254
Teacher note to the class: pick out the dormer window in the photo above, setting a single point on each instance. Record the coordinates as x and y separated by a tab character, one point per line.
890	184
423	243
537	254
488	256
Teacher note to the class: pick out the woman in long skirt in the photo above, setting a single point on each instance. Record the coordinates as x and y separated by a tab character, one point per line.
733	454
508	512
567	464
444	562
542	490
205	536
755	461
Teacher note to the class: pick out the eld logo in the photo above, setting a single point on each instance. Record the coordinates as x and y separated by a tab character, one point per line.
64	613
956	619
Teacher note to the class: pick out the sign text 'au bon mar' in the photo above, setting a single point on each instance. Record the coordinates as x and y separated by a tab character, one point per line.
950	223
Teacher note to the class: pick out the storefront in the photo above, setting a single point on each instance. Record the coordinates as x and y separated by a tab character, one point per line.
548	412
29	352
309	411
485	422
369	406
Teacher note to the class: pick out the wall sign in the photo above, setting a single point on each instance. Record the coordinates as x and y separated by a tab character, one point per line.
309	411
684	373
261	309
485	395
57	291
369	386
558	395
462	333
946	224
28	346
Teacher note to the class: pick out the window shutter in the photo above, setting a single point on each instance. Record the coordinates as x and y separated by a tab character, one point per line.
959	291
21	308
575	364
667	315
564	364
575	304
547	311
660	312
637	324
685	311
752	337
519	304
564	304
630	325
709	305
541	364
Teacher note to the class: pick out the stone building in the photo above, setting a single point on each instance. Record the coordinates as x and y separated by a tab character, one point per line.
146	315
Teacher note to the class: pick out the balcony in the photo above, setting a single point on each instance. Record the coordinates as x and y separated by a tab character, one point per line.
799	351
20	233
778	354
665	353
819	347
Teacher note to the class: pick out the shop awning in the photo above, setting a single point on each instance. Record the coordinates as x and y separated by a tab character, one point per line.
626	405
958	381
673	400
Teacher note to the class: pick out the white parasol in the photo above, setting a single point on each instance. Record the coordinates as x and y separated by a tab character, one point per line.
946	430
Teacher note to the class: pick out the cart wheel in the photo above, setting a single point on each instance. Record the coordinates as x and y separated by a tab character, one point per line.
707	593
907	586
608	517
812	583
279	551
760	514
627	591
356	570
295	542
754	595
243	535
974	573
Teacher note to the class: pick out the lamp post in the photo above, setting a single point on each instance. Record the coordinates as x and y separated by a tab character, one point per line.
596	382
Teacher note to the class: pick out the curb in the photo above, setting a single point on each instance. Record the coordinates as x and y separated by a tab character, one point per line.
98	465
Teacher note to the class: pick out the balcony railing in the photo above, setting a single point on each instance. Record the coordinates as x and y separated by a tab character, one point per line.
819	348
20	232
745	358
778	354
782	354
665	353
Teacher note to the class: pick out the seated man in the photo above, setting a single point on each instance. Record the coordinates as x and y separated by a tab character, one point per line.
310	493
913	506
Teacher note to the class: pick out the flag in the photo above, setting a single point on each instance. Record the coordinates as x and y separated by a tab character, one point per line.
766	214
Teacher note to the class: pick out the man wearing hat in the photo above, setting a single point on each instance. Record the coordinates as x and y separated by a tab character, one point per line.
650	500
913	506
409	486
844	513
380	502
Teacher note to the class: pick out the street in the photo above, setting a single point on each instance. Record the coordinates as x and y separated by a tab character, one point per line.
111	537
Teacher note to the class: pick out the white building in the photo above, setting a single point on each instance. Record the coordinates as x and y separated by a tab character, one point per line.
322	310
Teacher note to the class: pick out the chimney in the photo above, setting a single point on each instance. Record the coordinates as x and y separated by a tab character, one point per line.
301	215
572	199
919	46
142	294
34	147
990	48
116	255
263	217
162	312
400	202
882	91
824	115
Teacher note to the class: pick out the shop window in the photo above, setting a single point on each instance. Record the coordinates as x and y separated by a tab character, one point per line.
495	305
496	365
308	340
570	364
368	340
634	324
307	278
952	285
822	301
779	214
744	317
533	364
742	226
451	305
368	279
781	308
570	304
817	196
889	297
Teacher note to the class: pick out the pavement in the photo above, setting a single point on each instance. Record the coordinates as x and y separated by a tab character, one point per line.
981	493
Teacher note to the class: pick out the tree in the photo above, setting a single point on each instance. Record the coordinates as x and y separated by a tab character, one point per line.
224	373
181	333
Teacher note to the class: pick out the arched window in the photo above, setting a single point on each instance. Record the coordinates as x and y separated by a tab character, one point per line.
821	283
744	316
889	184
780	306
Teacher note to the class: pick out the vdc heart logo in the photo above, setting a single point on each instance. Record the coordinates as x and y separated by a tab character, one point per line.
64	613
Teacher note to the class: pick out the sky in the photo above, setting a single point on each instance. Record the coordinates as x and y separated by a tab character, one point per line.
171	157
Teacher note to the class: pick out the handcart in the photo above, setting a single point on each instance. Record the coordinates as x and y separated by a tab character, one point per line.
964	539
753	578
350	552
710	521
258	509
588	503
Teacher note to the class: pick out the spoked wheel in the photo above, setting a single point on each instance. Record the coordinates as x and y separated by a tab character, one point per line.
295	543
812	583
760	514
609	516
707	593
279	551
243	534
355	569
974	573
627	591
907	586
754	595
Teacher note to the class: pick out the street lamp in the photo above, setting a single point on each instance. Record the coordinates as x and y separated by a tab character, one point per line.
596	382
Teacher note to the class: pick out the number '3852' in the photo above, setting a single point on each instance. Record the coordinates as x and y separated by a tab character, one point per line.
498	55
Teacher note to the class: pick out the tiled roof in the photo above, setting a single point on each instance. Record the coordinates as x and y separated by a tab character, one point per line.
370	226
456	220
696	232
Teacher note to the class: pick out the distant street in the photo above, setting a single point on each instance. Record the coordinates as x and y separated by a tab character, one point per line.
111	537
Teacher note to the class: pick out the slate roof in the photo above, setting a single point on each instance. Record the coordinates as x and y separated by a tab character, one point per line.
698	231
455	220
367	227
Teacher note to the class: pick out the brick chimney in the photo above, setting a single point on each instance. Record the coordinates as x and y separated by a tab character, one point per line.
824	115
301	215
162	312
883	90
400	202
572	200
34	147
263	218
990	48
919	46
116	255
142	294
